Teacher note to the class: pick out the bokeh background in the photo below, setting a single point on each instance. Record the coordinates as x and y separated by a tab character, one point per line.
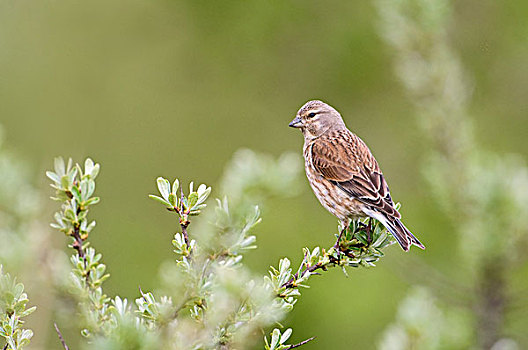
174	88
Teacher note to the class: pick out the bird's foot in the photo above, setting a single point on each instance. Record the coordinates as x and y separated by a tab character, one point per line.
365	227
361	226
337	245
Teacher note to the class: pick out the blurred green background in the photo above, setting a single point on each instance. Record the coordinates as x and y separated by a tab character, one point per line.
140	85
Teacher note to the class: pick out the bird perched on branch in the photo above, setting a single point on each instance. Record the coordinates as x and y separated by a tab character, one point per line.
343	173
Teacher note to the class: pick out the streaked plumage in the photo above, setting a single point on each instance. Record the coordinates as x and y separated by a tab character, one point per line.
343	173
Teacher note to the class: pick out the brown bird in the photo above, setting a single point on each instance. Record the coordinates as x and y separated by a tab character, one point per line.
343	173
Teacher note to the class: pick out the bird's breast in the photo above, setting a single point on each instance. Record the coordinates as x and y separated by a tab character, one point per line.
331	197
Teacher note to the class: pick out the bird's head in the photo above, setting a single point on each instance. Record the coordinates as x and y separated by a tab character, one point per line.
316	118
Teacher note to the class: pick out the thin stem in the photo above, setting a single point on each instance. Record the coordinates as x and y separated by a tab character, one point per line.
490	304
184	225
310	269
78	246
60	337
333	261
339	260
186	299
338	242
78	243
300	344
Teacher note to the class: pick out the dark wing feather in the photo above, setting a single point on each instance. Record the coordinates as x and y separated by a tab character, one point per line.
345	160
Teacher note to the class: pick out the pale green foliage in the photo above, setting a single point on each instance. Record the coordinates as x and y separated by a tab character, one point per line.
420	323
13	307
18	206
19	203
74	188
170	197
278	340
218	301
357	248
485	195
87	276
24	239
254	177
208	298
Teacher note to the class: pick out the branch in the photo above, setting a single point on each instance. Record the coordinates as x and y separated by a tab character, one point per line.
184	222
184	225
78	243
75	186
300	344
357	245
60	337
291	282
490	304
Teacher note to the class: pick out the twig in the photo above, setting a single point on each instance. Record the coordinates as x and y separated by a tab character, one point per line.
490	304
332	260
300	344
78	243
289	284
184	223
184	226
78	246
60	337
5	347
311	269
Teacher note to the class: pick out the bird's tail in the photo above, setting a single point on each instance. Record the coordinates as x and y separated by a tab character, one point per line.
398	230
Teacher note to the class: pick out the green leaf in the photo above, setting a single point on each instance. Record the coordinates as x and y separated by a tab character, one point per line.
76	193
84	189
95	171
65	184
88	166
28	311
54	177
69	166
91	201
71	175
185	203
164	187
159	199
173	199
193	199
203	193
246	243
285	336
90	226
60	169
201	189
91	189
274	338
175	186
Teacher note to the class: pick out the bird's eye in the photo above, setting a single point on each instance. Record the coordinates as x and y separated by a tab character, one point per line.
311	115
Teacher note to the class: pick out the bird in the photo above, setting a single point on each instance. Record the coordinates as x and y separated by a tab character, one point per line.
343	173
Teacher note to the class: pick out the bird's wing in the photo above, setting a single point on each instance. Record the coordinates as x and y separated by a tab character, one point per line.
345	160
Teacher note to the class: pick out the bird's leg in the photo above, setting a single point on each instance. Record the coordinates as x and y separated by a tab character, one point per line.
346	225
337	243
369	230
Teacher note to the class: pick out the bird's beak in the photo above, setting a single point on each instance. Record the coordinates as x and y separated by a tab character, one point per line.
296	122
